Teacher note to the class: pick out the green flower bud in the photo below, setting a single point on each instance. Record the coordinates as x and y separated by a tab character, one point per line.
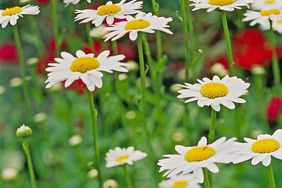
24	132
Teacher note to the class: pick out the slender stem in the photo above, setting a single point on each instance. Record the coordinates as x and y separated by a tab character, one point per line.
207	179
55	25
270	176
191	30
127	177
22	67
228	42
88	29
35	27
213	125
186	37
143	96
93	113
115	47
29	164
158	33
275	65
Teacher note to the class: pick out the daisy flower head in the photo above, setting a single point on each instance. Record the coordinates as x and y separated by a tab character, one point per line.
262	17
261	149
109	12
277	25
74	2
142	22
85	67
194	159
269	4
121	156
214	92
225	5
180	181
11	15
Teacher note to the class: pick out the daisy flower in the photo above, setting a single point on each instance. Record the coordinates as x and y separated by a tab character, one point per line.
108	12
120	156
216	91
262	17
85	67
261	149
195	158
74	2
277	25
225	5
11	15
142	22
181	181
269	4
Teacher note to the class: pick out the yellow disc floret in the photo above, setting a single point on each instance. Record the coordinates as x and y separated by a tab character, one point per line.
221	2
214	90
199	153
270	12
180	184
11	11
84	64
122	158
108	10
269	1
137	24
265	146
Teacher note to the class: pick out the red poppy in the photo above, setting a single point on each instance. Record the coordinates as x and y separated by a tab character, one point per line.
42	2
221	60
97	46
8	53
274	109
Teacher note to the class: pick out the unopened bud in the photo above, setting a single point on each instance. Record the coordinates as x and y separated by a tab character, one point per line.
24	132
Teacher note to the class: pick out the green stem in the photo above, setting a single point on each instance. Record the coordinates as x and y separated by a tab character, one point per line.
275	65
127	177
158	33
270	176
228	42
93	113
22	68
39	43
207	179
55	25
115	47
191	31
186	37
88	29
143	97
29	164
212	127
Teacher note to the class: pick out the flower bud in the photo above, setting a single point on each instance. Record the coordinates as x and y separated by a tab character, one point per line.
24	132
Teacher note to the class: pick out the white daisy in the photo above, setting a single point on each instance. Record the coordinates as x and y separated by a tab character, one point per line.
120	156
261	149
109	12
11	15
142	22
225	5
195	158
86	67
277	25
74	2
214	92
262	17
266	4
181	181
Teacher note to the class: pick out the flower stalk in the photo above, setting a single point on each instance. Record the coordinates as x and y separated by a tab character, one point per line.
212	126
29	163
54	15
127	177
270	176
207	183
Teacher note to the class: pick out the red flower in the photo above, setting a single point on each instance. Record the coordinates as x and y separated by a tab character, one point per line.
221	60
42	2
8	53
274	109
51	45
79	87
128	50
97	46
43	63
251	48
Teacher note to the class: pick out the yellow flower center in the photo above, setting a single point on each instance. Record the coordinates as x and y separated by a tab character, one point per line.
270	12
221	2
199	153
265	146
122	158
84	64
108	10
214	90
180	184
137	24
269	1
11	11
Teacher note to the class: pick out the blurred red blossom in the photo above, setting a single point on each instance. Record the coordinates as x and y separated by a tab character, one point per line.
8	53
274	108
42	2
79	87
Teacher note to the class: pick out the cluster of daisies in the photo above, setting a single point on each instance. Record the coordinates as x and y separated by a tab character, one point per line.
186	167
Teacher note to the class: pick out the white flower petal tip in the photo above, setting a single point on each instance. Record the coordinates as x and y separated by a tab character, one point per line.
181	181
194	159
85	67
122	156
109	12
142	22
215	92
11	15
